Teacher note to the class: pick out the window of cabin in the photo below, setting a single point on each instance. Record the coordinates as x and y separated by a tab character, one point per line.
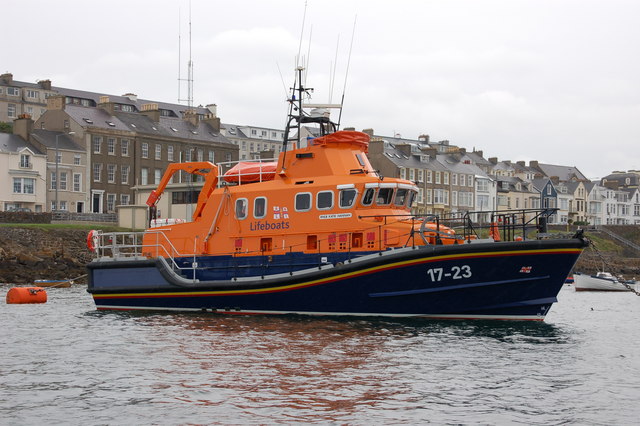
385	195
241	208
347	198
324	200
260	207
303	202
411	198
367	197
401	197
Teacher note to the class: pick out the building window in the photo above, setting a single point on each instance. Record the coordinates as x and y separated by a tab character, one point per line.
429	176
124	174
470	181
97	141
144	177
63	181
437	178
97	169
77	182
11	110
211	157
429	196
13	91
200	154
76	159
33	94
462	180
124	199
170	153
111	146
158	151
445	178
111	202
54	180
157	176
145	150
24	185
482	185
124	147
111	173
420	175
25	161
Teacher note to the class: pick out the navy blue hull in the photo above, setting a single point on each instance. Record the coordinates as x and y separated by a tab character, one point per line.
494	280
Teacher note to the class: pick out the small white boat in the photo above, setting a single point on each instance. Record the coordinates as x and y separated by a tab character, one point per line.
602	281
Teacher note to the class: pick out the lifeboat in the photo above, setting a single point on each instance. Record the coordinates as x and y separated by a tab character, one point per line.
246	172
319	231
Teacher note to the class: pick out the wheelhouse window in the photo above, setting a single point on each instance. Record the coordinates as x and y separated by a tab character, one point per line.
303	202
347	198
324	200
401	197
385	195
260	207
368	196
241	208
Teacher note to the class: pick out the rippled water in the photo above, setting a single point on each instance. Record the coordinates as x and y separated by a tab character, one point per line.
65	363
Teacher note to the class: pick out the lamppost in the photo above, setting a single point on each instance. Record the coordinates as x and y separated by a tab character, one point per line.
58	161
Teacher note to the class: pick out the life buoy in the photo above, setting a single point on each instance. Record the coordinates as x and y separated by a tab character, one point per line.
92	240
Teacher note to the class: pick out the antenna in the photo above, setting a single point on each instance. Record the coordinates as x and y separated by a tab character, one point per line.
347	72
189	78
332	71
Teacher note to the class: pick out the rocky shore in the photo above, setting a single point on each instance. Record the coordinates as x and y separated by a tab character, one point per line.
27	254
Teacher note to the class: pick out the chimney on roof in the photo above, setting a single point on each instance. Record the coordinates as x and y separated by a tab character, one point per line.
191	116
521	163
376	147
213	109
555	180
462	151
131	96
533	164
368	131
493	160
23	126
479	153
45	84
106	104
423	138
431	152
152	111
405	149
56	102
7	78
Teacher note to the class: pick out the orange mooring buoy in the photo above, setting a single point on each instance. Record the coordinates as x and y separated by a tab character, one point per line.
27	295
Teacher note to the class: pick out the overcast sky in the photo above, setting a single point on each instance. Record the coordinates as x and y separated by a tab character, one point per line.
556	81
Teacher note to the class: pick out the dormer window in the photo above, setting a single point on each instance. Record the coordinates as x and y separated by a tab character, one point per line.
88	120
174	129
110	123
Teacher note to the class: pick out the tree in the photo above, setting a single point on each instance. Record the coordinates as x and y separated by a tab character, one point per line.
6	127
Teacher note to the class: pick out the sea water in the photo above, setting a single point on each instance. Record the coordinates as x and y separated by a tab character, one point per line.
63	362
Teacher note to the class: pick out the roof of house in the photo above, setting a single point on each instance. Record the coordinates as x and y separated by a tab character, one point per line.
14	143
564	173
48	139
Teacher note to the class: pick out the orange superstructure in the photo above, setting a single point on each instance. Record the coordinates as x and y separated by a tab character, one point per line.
322	197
